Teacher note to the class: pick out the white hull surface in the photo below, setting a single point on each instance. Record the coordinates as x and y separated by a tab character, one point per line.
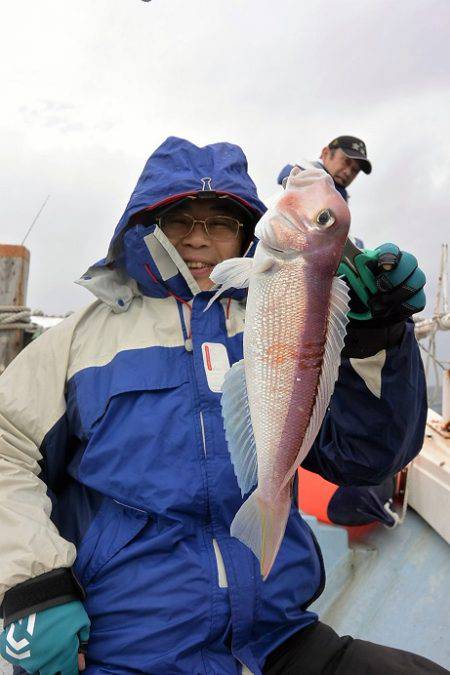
429	478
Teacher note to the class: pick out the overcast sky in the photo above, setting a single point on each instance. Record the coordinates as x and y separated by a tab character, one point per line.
90	88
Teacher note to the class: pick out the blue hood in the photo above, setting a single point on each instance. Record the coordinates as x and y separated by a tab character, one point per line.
176	169
179	168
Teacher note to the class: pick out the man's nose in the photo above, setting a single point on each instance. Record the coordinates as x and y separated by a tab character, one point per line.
197	236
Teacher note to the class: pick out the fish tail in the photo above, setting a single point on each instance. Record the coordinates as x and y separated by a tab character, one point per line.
260	525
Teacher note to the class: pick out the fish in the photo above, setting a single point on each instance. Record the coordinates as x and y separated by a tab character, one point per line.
274	399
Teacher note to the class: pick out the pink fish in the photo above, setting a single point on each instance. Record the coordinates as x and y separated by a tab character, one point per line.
275	399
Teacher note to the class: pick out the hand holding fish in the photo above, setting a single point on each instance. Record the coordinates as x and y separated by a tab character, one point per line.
386	284
274	400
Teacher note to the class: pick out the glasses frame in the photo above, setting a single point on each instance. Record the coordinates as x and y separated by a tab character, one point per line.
240	225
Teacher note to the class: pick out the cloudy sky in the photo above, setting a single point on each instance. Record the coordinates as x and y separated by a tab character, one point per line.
90	88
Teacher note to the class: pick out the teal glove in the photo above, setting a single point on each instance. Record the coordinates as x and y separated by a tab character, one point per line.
47	641
386	285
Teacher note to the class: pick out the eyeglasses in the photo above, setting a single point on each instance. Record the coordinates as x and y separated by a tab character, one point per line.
218	228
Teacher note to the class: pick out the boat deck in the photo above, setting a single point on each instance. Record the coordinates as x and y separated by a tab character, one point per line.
390	587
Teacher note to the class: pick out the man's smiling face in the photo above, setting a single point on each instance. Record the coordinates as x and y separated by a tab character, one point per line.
200	251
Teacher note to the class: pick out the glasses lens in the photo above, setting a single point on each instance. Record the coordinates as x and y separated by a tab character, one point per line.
222	228
176	226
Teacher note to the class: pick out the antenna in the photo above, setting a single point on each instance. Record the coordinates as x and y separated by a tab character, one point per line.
35	219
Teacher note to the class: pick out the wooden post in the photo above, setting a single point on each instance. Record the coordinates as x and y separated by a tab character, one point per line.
14	265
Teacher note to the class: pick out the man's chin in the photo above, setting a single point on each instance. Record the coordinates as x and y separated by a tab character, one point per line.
204	286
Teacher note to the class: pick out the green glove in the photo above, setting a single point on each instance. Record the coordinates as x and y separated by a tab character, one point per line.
386	285
47	641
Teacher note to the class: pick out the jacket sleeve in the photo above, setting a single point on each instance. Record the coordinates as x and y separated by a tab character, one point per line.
376	419
32	402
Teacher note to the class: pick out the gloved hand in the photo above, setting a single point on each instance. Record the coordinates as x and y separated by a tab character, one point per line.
47	642
388	288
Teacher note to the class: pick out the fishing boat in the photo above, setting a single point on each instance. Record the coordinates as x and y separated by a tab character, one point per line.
386	585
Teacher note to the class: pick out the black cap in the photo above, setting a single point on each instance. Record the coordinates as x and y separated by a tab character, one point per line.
354	148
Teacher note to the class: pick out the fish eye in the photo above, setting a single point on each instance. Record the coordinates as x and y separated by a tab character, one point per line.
325	218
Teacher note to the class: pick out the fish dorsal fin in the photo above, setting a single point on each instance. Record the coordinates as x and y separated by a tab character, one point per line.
231	273
238	427
337	323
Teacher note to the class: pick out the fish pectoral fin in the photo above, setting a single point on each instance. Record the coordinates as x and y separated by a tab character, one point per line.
231	273
234	272
238	427
263	265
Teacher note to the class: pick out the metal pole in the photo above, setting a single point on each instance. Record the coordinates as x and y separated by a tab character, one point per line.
445	279
35	219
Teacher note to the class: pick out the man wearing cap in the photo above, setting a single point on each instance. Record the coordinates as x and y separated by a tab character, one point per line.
343	158
116	486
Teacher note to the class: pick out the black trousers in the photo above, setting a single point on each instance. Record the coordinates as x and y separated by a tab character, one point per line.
318	650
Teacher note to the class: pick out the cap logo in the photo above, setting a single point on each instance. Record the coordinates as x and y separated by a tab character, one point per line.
206	184
359	147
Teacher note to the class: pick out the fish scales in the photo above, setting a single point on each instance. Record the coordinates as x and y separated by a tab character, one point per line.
283	348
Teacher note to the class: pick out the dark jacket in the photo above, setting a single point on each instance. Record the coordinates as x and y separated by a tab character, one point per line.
286	170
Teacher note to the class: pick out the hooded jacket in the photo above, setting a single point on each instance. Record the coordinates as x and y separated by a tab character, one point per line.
113	458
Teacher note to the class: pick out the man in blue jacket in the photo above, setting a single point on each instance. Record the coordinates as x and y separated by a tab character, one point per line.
343	158
117	491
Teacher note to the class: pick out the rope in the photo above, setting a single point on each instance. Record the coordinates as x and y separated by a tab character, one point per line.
442	364
425	327
13	317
